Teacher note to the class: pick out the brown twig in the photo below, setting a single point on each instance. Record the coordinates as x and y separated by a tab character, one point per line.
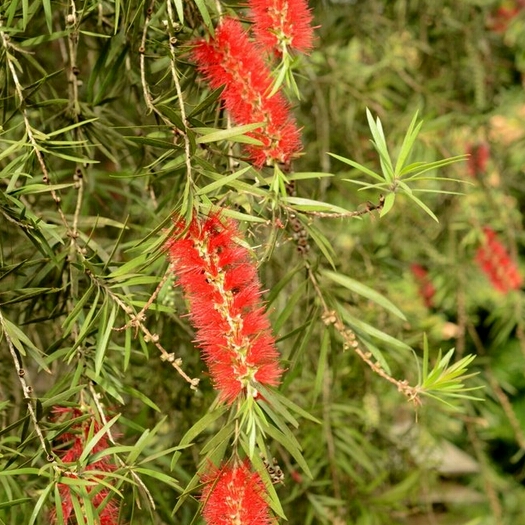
27	390
96	399
136	321
28	128
180	99
369	208
331	317
490	490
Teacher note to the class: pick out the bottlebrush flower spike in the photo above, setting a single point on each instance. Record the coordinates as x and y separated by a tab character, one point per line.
221	284
232	60
479	155
503	16
281	24
234	495
426	288
77	437
495	261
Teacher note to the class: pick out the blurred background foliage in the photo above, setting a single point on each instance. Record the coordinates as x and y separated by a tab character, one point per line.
93	163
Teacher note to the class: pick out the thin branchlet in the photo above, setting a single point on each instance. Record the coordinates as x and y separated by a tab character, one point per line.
176	82
102	414
331	317
27	390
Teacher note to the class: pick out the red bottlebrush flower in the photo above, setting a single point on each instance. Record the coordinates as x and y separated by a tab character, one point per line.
221	284
235	495
503	16
426	288
477	161
77	438
495	262
279	24
232	60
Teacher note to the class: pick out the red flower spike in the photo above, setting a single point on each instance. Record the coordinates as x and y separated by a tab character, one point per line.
426	288
221	285
479	155
78	435
494	260
232	60
503	16
279	24
235	495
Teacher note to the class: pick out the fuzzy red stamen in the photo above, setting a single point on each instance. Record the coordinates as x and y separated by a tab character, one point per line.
279	24
78	437
221	284
232	60
233	495
426	288
496	263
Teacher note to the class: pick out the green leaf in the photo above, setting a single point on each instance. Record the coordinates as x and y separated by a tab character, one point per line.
48	15
322	363
201	6
322	243
365	291
359	167
302	204
206	103
380	144
275	502
22	343
160	476
421	168
360	326
105	330
291	448
222	436
14	147
40	503
33	189
199	427
90	318
143	441
23	471
243	217
290	306
235	134
137	262
70	127
422	205
222	181
143	397
58	505
14	503
180	10
387	206
408	143
91	442
276	399
304	175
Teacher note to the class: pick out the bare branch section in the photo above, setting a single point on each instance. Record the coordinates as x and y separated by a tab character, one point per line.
9	48
330	317
27	389
101	412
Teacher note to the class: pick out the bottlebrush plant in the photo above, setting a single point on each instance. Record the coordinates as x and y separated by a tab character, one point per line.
102	506
497	264
234	62
223	290
205	308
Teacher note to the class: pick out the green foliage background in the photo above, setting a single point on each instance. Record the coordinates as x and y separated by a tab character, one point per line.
107	131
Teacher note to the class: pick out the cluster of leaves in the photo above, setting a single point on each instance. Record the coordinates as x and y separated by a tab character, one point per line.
107	131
